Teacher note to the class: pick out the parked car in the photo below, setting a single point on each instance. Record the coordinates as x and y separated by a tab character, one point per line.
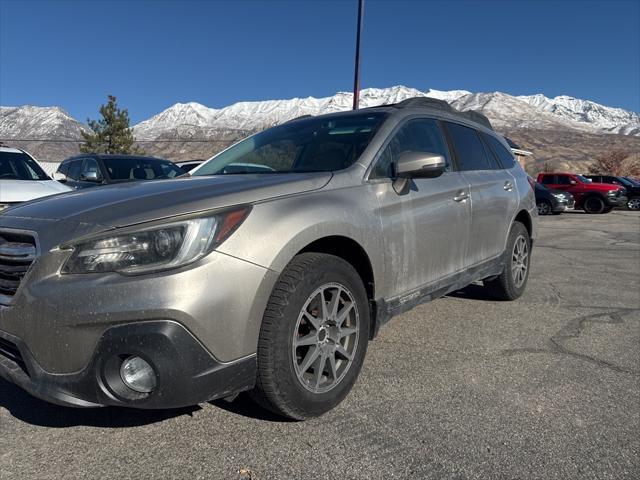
356	217
552	201
91	170
632	188
189	165
22	179
589	196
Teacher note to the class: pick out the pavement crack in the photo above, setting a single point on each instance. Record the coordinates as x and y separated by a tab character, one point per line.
573	329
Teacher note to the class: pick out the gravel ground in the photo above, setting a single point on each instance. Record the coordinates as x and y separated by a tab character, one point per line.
544	387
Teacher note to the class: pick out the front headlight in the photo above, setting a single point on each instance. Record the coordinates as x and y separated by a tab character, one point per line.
559	196
154	248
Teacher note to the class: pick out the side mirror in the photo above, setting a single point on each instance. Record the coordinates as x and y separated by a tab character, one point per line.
417	165
90	176
60	177
573	182
420	165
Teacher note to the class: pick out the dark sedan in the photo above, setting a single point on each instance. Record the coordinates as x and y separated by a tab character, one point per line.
551	201
91	170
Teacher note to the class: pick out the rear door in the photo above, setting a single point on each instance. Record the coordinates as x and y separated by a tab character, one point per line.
492	192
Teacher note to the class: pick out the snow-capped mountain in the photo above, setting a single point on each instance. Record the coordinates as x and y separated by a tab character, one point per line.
30	124
249	116
192	130
38	122
613	120
506	111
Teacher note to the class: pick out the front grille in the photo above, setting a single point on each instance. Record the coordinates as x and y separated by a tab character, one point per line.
10	351
17	253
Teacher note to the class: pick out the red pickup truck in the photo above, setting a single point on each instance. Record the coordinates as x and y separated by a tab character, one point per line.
590	197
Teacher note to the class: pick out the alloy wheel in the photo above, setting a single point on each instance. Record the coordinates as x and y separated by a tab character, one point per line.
325	338
520	261
634	204
544	208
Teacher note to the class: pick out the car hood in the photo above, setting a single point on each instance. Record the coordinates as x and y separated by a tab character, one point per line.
603	187
13	191
132	203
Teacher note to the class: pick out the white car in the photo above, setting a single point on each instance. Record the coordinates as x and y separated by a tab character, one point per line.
22	179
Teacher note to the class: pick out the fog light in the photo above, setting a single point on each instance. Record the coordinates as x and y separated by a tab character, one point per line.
138	375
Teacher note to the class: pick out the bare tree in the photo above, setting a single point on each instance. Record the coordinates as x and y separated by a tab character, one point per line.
618	163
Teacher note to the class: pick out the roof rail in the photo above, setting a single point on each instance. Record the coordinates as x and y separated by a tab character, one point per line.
298	118
425	102
477	117
442	105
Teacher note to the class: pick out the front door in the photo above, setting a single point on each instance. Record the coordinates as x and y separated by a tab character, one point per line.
426	229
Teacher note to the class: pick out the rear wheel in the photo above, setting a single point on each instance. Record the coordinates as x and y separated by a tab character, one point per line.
313	337
544	208
594	205
633	203
511	283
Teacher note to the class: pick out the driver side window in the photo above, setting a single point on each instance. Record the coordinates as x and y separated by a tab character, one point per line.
419	135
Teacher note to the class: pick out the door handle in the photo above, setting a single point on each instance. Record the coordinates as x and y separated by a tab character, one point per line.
461	196
508	186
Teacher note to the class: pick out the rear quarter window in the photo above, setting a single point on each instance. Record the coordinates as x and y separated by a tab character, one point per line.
505	156
470	150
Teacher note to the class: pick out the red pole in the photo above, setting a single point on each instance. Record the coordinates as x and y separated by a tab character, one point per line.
356	80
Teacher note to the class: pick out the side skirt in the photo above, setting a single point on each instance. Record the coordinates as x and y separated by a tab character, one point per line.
385	309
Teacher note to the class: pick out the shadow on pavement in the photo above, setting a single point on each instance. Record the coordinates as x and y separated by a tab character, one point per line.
472	292
244	406
29	409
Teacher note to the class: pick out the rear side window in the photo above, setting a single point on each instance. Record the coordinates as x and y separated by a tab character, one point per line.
471	152
563	180
547	180
506	158
418	135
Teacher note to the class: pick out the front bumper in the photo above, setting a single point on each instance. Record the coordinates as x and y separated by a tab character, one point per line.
186	373
620	201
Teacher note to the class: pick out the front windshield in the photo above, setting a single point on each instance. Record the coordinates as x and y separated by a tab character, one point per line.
632	181
320	144
583	179
140	168
20	166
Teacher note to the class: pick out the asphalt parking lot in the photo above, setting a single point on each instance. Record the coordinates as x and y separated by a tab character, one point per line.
544	387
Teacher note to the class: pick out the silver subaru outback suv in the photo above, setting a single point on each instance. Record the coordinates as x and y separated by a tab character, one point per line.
268	270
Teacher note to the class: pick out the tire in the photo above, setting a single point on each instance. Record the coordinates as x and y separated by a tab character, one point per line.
607	210
544	208
516	260
633	203
288	382
594	205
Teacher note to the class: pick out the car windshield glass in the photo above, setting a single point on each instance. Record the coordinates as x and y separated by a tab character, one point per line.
624	181
140	169
583	179
313	145
20	166
632	181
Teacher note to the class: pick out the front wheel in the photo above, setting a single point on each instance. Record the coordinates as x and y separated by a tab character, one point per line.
511	283
594	205
313	338
633	203
544	208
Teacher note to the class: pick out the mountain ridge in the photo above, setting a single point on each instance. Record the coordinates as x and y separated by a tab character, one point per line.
192	130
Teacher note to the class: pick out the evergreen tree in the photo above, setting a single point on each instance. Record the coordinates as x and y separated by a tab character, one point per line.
110	134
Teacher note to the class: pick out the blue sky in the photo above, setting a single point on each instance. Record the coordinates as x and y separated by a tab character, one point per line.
152	54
